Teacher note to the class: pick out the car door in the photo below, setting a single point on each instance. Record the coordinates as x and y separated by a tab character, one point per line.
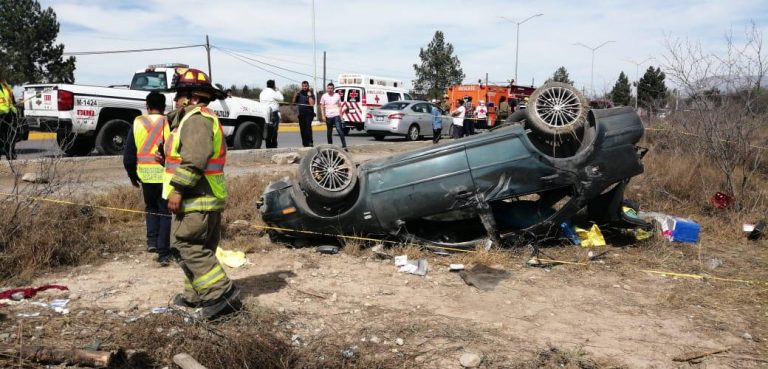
426	123
417	116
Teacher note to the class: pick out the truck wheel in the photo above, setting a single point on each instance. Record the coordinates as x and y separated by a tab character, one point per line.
346	130
413	133
73	144
556	108
248	136
327	174
111	138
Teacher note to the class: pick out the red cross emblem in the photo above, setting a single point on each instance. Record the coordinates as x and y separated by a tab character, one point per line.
353	94
376	99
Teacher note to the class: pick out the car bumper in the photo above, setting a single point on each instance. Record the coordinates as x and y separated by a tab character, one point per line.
390	127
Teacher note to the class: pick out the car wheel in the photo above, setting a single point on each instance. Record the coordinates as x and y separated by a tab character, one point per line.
413	133
248	136
327	173
556	108
345	130
378	137
111	137
74	145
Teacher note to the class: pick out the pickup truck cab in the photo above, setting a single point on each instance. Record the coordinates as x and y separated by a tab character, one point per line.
88	117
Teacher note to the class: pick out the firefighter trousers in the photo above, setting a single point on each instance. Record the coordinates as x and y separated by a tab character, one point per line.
194	238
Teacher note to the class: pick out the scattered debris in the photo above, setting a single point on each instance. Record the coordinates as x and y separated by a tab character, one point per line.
747	336
675	229
757	231
286	158
35	178
29	292
484	277
401	260
399	341
713	263
693	355
720	200
159	310
231	258
328	249
185	361
470	360
417	267
570	232
28	315
441	252
240	223
49	355
456	267
592	237
349	352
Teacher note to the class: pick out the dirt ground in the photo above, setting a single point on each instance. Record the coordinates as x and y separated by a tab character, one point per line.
610	309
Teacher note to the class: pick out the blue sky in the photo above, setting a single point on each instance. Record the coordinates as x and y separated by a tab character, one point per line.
383	38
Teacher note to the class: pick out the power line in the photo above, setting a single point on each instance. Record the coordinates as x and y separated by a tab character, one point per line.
265	63
83	53
254	65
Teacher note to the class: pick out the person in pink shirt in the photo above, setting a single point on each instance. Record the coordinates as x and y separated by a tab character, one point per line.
330	112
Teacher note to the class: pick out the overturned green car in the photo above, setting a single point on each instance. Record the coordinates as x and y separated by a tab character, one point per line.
518	182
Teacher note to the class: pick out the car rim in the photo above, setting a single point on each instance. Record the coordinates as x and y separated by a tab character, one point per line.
331	170
414	133
117	141
558	107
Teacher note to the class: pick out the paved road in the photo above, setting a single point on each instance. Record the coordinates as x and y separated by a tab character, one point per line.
47	147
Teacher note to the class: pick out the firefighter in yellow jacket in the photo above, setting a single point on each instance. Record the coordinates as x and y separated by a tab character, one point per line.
7	121
195	154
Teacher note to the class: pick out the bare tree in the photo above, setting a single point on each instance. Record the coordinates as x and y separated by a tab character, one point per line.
722	110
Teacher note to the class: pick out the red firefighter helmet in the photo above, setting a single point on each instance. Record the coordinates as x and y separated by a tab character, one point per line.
198	83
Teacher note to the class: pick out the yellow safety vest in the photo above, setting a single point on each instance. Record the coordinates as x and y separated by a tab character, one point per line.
213	172
149	132
6	99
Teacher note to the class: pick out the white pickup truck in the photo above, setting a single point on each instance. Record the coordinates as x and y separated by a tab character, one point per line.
88	117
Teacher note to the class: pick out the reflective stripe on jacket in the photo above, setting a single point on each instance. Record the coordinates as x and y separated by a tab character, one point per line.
181	178
6	99
149	132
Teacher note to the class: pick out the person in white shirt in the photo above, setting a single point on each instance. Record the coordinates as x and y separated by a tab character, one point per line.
481	113
457	129
272	97
330	112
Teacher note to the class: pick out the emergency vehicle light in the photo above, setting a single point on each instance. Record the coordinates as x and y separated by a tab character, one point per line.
168	65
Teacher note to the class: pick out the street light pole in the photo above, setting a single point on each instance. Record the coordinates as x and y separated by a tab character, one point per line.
592	73
637	75
517	37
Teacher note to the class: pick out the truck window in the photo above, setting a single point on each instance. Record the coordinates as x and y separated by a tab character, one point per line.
149	81
408	97
393	96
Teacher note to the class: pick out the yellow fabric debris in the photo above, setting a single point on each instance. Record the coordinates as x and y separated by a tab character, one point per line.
591	237
230	258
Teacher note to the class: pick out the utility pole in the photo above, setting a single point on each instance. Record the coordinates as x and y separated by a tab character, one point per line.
592	73
637	81
314	49
517	42
323	69
208	51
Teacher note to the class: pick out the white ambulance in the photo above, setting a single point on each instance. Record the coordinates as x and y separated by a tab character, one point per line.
362	92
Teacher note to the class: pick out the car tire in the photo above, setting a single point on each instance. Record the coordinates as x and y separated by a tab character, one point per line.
327	174
346	130
248	136
73	144
557	108
111	138
378	137
413	133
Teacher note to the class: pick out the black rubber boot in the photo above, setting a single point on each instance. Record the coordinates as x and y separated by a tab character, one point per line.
227	304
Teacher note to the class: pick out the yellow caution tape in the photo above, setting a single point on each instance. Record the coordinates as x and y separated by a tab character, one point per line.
701	276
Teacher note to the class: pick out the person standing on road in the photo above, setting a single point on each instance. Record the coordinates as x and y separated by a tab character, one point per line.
194	184
504	109
330	111
272	97
305	98
7	121
437	121
457	128
481	115
139	159
469	115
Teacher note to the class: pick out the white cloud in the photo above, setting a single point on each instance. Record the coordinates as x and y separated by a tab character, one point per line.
384	37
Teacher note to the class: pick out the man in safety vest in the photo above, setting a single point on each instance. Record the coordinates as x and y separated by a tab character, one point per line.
195	154
7	121
142	144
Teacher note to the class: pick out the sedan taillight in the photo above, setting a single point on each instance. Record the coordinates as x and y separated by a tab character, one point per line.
395	116
66	100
